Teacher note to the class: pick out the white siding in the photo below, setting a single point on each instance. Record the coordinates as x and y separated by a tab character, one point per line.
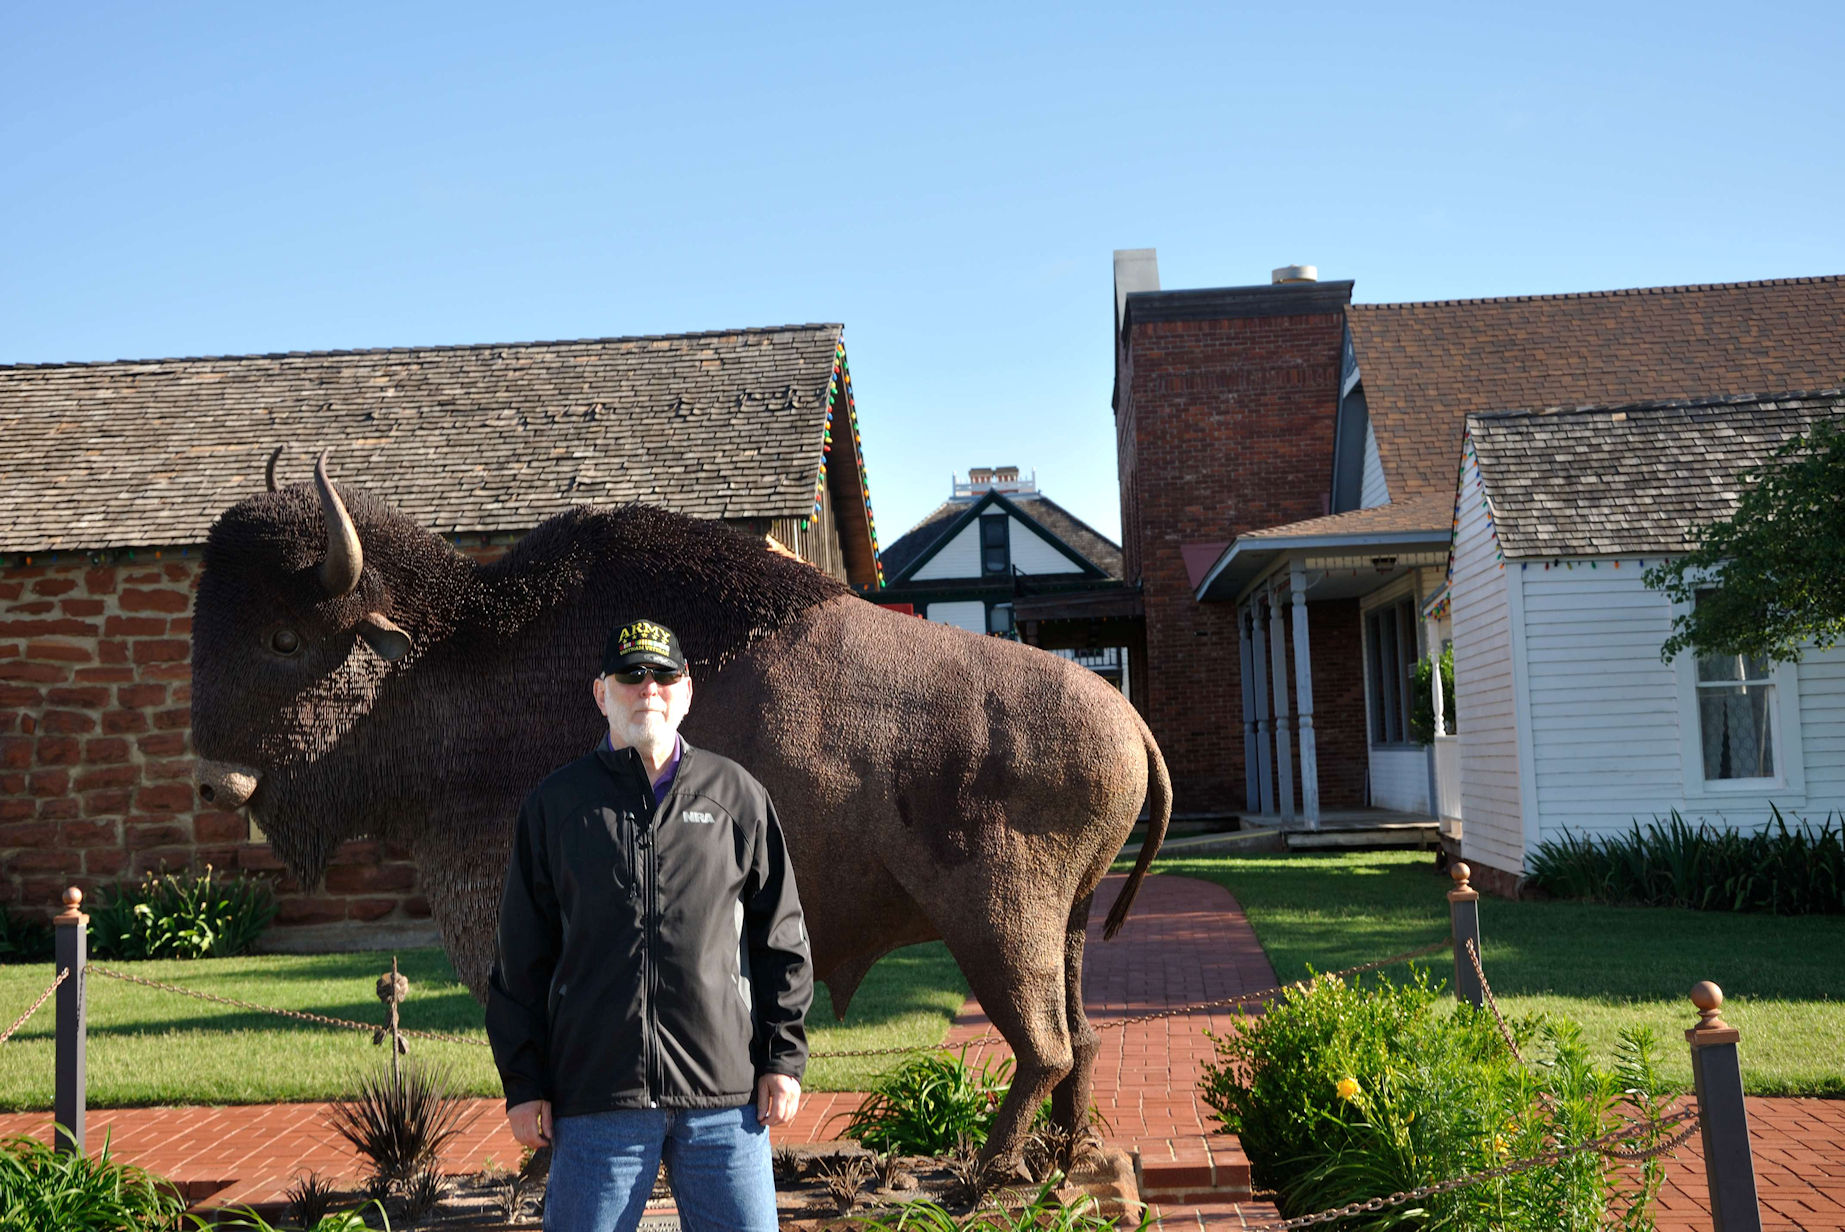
1493	821
969	614
1033	554
1400	779
960	556
1373	490
1610	741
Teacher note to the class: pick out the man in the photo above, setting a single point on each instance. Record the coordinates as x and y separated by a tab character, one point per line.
651	985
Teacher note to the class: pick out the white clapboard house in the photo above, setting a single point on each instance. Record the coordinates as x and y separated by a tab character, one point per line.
1570	721
995	540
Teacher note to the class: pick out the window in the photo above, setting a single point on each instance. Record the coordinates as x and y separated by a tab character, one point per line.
995	547
1736	716
1390	653
999	619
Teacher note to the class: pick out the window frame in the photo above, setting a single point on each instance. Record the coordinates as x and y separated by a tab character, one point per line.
1406	637
1002	523
1788	786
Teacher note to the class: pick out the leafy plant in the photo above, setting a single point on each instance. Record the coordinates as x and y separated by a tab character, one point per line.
842	1176
1779	869
181	915
926	1104
1422	699
1341	1094
246	1220
25	938
1044	1212
41	1188
424	1193
309	1199
400	1119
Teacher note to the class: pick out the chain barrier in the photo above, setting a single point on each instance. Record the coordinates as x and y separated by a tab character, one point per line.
898	1050
1118	1023
1606	1146
42	998
370	1028
1492	1003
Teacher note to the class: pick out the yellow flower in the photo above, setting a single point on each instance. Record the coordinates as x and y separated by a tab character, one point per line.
1347	1088
1499	1145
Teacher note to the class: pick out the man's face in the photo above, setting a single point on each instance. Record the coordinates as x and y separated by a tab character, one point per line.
646	714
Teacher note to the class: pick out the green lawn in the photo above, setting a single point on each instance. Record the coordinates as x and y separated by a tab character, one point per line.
1783	978
150	1047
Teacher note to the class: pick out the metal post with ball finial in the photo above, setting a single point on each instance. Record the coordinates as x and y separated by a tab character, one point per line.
1723	1122
72	946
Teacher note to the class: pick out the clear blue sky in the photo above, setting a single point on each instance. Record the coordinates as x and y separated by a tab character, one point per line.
950	183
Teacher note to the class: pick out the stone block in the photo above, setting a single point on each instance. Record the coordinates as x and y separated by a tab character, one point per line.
67	722
105	750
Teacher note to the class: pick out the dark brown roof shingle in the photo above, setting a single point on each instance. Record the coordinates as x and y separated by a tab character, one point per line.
1427	366
462	439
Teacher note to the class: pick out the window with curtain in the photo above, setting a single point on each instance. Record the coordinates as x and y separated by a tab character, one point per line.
1736	707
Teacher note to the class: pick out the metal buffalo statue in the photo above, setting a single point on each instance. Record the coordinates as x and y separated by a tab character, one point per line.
355	675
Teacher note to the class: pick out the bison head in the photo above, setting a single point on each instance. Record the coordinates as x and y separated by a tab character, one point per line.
296	637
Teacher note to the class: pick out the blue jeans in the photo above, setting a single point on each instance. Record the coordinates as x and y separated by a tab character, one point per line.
603	1165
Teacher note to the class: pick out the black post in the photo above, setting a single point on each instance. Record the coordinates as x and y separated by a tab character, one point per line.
1723	1123
67	1104
1464	917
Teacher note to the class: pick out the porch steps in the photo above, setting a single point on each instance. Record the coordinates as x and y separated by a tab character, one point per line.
1416	834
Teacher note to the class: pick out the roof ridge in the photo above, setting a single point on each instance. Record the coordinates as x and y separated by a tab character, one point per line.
410	350
1618	292
1066	513
1664	404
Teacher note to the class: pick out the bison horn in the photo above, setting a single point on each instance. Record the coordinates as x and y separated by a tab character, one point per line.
345	559
387	641
269	471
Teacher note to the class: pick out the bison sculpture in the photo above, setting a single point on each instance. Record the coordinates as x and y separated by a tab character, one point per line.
354	674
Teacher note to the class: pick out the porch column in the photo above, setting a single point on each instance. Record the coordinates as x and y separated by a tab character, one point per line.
1303	694
1438	698
1284	750
1259	654
1252	768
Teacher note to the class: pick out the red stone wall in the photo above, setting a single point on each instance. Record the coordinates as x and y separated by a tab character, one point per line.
96	755
1226	427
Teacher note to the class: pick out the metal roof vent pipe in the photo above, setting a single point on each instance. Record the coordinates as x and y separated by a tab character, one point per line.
1295	273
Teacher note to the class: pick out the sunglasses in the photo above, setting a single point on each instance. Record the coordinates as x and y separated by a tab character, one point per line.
662	676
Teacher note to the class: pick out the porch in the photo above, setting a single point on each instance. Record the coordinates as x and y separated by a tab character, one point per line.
1360	828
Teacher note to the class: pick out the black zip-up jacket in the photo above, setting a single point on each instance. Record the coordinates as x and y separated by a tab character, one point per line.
650	953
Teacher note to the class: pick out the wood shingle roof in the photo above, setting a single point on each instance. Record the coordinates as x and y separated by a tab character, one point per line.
462	439
1087	542
1629	479
1427	366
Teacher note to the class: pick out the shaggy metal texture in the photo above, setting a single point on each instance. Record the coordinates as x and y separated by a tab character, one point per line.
932	783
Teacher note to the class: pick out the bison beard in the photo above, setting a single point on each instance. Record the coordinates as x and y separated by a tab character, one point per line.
932	783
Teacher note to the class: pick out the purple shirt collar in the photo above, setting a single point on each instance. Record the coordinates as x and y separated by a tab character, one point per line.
668	772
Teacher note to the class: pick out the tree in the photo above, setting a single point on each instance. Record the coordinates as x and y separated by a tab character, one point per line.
1770	580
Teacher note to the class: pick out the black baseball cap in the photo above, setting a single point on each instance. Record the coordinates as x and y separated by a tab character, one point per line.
642	643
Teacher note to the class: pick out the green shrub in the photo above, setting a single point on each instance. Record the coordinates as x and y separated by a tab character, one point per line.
72	1192
181	915
25	938
244	1219
929	1103
1043	1213
1341	1094
1422	699
1780	869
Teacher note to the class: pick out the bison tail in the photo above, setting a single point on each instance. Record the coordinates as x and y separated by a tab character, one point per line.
1159	813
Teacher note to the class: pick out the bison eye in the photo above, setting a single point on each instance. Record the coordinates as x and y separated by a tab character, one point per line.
285	641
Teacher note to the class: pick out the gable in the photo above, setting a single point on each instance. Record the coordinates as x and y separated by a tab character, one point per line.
1043	539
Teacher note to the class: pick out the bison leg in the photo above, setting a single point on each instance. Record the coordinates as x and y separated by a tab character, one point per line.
1071	1100
463	877
1018	979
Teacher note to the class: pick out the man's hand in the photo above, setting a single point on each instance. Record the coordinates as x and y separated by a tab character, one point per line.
531	1122
777	1097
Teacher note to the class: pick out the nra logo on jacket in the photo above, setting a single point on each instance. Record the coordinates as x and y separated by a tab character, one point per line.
698	819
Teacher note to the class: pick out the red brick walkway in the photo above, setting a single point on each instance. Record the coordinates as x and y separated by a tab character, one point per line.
1185	942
